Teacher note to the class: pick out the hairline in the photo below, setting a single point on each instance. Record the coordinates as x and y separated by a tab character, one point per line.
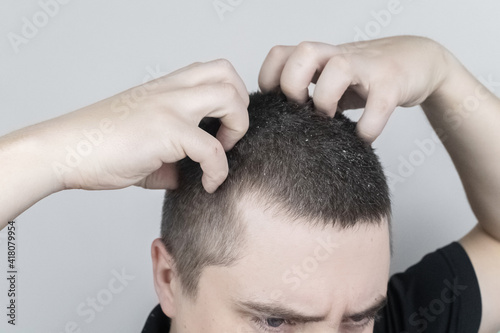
237	210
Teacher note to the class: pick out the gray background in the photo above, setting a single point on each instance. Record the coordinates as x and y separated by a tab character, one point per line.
70	243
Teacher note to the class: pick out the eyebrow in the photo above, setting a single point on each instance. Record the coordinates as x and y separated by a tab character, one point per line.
275	310
370	312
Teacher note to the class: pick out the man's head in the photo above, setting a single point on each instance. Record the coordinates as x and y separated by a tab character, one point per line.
300	223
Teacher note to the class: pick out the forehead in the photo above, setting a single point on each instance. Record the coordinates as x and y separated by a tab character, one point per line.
319	269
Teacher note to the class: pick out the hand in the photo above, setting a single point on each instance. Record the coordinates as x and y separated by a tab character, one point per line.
135	137
378	75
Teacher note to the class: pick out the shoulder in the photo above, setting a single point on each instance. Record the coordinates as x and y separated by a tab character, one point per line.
439	294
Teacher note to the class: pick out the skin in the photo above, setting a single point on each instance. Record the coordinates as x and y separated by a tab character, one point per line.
376	75
325	283
149	128
382	74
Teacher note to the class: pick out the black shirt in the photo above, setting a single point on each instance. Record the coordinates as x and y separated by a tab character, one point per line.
439	294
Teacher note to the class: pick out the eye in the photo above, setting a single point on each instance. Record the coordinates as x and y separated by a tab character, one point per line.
361	322
275	322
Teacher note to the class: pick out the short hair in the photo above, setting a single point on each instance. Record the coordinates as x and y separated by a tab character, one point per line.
292	158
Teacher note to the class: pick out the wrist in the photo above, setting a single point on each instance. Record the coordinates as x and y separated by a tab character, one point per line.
25	172
445	69
453	81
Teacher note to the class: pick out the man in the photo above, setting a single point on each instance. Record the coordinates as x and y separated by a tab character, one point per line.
378	75
297	235
251	279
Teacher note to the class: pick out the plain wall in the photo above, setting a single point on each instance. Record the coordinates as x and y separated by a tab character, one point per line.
71	244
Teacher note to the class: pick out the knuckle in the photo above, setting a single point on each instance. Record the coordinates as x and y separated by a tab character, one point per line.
277	51
227	72
242	124
224	64
195	64
307	48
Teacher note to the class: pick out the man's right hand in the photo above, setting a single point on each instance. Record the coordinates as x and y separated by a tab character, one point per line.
133	138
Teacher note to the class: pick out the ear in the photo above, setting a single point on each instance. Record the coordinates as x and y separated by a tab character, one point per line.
165	279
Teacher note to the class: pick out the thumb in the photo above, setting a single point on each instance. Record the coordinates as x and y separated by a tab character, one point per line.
163	178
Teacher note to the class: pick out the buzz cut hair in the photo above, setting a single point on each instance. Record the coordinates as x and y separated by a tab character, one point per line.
293	158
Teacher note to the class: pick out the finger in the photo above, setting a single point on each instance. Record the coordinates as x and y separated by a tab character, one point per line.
332	84
230	135
163	178
220	100
270	72
203	148
234	121
231	111
216	71
308	59
379	107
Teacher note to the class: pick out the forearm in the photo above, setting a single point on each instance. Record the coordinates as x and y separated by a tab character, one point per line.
132	138
467	117
25	174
